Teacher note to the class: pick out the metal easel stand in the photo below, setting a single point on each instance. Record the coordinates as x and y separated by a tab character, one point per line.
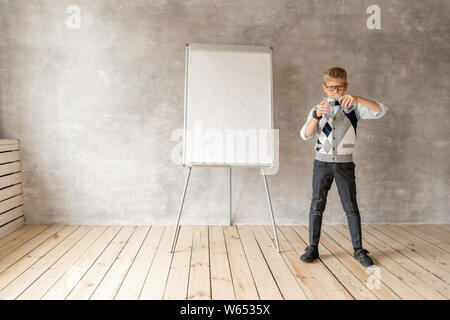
180	209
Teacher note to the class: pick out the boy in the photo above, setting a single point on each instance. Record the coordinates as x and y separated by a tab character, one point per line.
336	132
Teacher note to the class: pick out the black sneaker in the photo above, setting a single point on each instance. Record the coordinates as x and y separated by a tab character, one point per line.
361	255
311	253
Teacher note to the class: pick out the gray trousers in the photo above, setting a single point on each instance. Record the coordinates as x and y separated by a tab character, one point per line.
323	175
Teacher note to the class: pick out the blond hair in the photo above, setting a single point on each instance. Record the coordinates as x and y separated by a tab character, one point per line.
335	73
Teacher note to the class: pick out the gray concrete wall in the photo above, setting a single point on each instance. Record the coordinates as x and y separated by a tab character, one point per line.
95	107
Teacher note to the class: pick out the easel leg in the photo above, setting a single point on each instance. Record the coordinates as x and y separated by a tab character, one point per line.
230	198
175	232
271	211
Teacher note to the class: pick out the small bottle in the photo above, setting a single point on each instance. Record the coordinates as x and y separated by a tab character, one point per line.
330	103
336	98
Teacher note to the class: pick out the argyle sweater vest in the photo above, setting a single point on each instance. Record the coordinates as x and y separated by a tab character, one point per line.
337	135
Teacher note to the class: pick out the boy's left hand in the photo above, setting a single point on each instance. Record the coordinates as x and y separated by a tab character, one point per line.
347	100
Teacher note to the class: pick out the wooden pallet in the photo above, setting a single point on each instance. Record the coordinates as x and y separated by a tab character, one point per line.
11	199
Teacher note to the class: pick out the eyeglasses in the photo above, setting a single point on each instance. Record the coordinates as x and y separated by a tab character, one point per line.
332	88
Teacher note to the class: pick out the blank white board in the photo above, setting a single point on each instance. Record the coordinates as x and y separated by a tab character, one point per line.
228	114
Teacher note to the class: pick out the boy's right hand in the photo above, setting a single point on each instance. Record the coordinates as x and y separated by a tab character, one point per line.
323	108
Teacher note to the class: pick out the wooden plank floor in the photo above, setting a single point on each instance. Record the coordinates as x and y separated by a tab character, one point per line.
222	262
